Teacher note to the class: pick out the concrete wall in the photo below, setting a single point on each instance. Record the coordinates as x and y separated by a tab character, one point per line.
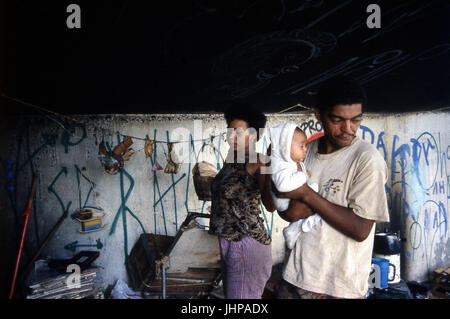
415	146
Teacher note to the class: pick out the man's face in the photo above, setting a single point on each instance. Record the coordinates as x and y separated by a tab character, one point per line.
341	123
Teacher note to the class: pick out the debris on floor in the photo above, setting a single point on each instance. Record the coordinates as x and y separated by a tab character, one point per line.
122	291
441	282
73	278
419	290
398	290
60	287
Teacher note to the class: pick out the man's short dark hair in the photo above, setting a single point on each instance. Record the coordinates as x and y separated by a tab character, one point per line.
340	90
248	113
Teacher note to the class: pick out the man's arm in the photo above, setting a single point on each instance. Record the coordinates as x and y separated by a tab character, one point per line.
296	210
341	218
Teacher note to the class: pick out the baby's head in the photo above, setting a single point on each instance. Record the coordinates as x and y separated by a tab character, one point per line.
298	146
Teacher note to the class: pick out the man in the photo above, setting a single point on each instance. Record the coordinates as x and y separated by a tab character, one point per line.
333	260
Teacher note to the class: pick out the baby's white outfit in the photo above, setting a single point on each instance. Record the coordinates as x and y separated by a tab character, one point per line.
286	178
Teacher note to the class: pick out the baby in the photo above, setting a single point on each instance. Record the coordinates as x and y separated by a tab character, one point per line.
288	150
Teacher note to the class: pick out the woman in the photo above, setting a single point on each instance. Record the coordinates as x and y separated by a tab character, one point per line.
237	191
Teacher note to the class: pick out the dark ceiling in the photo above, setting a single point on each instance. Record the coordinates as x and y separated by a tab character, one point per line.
200	56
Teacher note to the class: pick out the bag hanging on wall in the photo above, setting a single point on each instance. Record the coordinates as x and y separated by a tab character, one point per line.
171	166
203	174
113	162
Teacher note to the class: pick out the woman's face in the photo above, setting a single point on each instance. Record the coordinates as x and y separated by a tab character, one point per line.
238	136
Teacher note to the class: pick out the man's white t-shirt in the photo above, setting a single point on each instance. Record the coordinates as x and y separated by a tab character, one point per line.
325	260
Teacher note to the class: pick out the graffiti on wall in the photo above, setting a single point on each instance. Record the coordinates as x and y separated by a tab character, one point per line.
164	206
418	191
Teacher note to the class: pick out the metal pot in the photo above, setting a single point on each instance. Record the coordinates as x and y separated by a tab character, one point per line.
387	244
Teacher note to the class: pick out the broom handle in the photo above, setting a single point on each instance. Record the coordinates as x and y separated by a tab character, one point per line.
27	214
